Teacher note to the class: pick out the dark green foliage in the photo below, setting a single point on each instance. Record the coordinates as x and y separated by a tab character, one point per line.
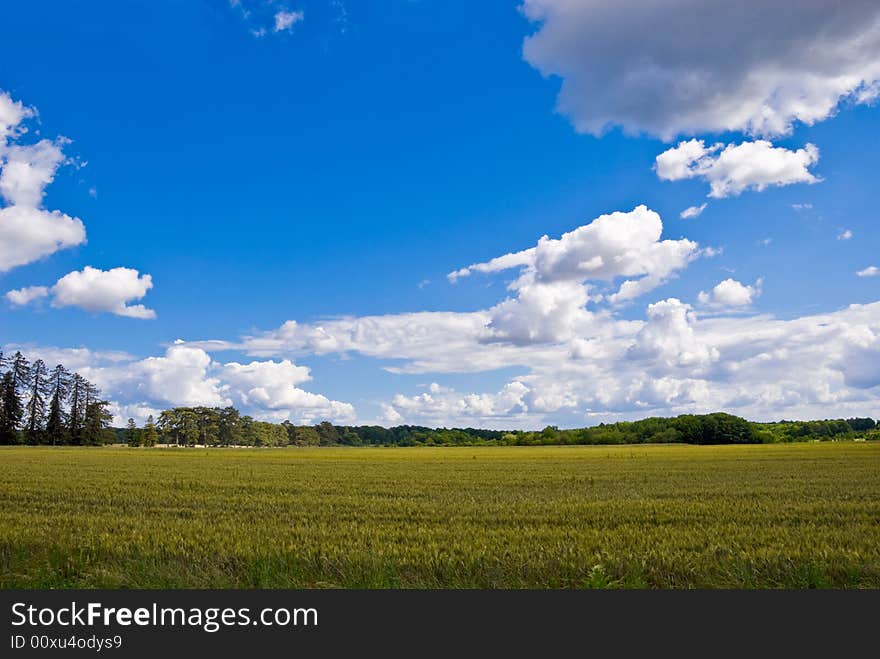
36	405
56	422
12	410
132	434
33	400
150	434
225	427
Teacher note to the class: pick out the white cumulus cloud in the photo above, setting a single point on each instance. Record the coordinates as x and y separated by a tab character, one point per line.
26	295
734	168
107	291
28	232
617	245
731	294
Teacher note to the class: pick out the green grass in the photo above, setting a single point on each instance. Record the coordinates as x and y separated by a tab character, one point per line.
797	516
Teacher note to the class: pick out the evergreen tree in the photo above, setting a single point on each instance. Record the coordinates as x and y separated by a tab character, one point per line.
36	406
56	422
10	406
132	436
95	422
12	387
78	402
150	435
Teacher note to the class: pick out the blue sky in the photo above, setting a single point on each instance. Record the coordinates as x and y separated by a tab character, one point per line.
336	169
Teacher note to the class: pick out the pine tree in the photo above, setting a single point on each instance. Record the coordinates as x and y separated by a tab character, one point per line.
150	435
4	363
56	428
36	406
12	387
78	402
95	421
132	436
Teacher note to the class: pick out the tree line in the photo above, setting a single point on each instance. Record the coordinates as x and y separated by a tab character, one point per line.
213	426
57	406
39	405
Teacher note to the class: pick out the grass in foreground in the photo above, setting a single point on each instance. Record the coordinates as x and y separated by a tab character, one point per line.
632	516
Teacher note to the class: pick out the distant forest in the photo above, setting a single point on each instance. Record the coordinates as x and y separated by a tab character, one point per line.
206	426
40	406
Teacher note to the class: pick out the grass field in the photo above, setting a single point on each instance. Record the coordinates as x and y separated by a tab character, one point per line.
799	516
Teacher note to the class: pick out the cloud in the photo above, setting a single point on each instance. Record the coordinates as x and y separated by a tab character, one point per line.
684	67
187	376
444	406
24	296
617	245
870	271
180	377
731	169
94	290
692	211
27	170
731	294
261	18
285	20
28	232
668	337
271	386
12	114
673	361
846	234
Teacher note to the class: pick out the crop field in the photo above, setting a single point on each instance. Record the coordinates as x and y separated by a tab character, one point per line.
805	515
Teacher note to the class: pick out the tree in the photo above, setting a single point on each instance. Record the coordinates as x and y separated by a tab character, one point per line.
307	436
56	422
328	433
229	426
208	425
10	406
95	423
36	406
78	402
12	386
180	423
150	435
132	436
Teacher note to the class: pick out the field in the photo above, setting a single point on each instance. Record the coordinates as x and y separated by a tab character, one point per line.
799	516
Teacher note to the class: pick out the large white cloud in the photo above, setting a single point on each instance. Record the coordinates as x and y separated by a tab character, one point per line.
695	66
616	245
28	232
445	406
181	377
272	386
672	362
733	168
94	290
187	376
668	339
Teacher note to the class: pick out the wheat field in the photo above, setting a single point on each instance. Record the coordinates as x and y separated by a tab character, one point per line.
760	516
